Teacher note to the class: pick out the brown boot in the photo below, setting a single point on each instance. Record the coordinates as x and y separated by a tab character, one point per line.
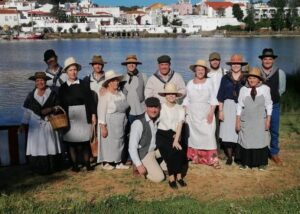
277	160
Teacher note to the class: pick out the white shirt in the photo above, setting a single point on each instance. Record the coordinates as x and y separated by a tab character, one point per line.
216	76
136	135
261	90
170	117
72	83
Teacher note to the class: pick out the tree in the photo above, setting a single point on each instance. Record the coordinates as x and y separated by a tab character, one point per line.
176	22
183	30
59	29
174	30
87	28
237	12
59	14
165	20
249	20
74	27
277	23
70	30
78	30
278	3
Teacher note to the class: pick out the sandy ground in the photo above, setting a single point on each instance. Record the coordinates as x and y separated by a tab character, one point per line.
204	183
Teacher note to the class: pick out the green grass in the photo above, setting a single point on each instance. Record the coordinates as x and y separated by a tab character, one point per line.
290	101
287	202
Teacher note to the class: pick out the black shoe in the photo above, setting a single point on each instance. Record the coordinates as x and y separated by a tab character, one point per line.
182	183
75	169
229	161
90	168
173	184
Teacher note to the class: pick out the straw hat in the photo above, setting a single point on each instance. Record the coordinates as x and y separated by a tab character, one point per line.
199	62
170	88
268	52
39	75
109	75
237	59
97	59
71	61
131	59
255	72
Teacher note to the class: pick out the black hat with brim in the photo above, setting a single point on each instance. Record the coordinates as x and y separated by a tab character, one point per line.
268	52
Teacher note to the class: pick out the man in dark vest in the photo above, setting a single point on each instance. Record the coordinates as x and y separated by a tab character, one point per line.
275	78
54	70
142	142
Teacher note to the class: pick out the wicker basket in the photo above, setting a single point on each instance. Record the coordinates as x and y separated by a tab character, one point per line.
59	121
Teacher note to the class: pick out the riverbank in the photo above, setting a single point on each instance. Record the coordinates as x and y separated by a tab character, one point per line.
217	33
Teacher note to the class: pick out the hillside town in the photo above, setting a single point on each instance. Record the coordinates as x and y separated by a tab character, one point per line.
158	18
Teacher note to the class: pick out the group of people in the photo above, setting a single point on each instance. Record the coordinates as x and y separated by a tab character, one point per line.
158	123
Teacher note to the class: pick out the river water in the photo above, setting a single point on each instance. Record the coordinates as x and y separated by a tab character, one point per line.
20	59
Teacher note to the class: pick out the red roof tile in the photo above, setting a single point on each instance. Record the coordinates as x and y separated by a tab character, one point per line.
218	5
8	11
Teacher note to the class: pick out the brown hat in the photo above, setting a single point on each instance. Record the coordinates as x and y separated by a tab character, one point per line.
71	61
39	75
255	72
131	59
199	62
214	56
237	59
170	88
97	59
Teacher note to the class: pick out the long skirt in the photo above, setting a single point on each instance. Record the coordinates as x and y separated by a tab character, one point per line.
174	158
227	127
111	147
199	156
253	157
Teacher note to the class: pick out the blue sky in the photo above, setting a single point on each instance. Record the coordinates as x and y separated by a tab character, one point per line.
134	2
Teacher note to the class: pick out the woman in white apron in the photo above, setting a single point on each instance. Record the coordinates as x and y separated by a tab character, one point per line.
43	146
200	103
77	100
231	84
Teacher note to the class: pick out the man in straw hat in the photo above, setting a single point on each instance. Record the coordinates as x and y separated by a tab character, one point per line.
275	78
165	74
134	86
96	78
54	70
142	142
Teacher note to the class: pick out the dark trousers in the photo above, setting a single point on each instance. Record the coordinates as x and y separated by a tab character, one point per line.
174	158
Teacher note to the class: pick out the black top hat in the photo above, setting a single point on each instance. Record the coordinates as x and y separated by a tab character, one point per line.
268	52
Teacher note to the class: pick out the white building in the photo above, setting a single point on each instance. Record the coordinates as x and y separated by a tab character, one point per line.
9	17
264	11
217	9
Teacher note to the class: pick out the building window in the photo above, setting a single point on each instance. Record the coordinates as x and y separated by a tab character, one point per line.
6	18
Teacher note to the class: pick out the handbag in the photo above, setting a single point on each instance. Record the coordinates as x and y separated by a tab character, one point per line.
94	142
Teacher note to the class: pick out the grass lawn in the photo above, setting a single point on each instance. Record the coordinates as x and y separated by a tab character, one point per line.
228	190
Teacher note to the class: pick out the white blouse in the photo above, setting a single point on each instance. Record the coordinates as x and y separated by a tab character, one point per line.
170	117
107	105
261	90
199	88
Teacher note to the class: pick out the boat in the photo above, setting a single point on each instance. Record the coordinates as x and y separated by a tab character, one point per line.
29	35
